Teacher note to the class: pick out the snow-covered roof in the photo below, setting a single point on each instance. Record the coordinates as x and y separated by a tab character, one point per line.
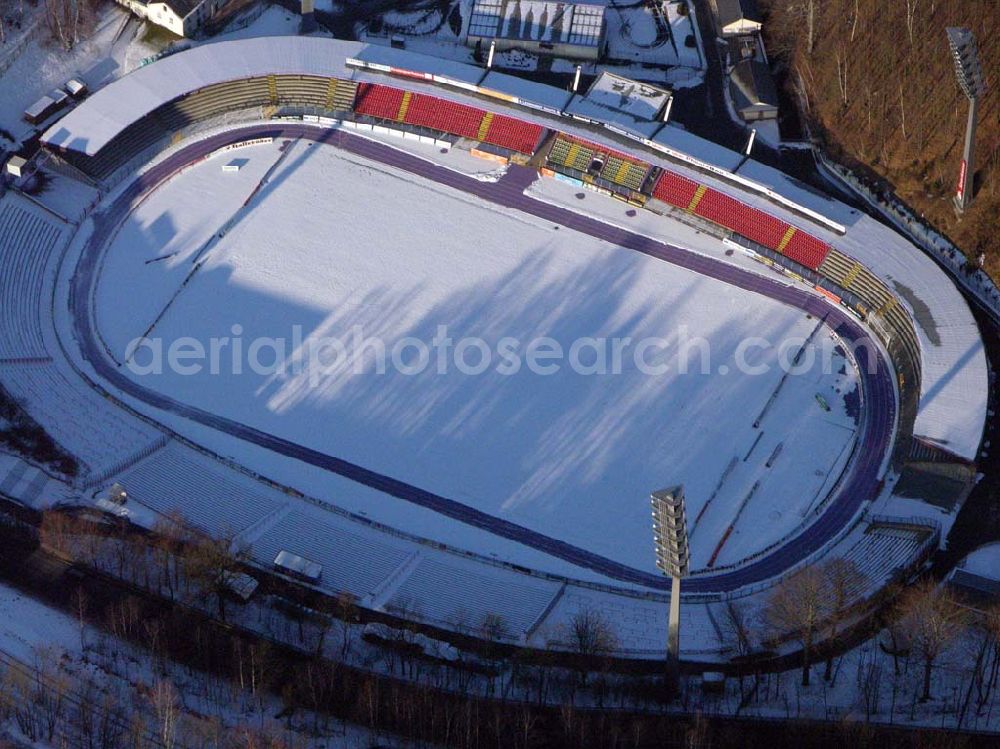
90	127
737	14
629	104
527	92
984	560
182	8
299	565
753	85
538	21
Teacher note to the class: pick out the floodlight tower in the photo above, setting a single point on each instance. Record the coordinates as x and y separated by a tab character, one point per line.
970	79
673	558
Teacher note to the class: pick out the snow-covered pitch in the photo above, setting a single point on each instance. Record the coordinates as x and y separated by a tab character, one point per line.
308	236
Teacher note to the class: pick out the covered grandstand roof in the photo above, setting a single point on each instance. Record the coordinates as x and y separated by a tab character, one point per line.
107	112
379	56
545	96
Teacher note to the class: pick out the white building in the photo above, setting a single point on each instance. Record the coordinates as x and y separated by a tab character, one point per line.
538	26
181	17
736	17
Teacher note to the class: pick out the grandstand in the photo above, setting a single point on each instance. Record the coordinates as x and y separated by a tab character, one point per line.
434	113
884	548
217	500
638	621
354	560
28	238
30	484
738	217
83	422
431	590
599	162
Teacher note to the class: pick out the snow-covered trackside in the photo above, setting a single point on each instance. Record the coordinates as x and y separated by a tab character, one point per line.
570	454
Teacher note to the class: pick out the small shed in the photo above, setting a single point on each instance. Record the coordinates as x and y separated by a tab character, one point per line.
17	166
241	585
45	107
76	88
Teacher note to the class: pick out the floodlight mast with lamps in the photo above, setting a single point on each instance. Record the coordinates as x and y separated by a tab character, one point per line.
970	80
673	556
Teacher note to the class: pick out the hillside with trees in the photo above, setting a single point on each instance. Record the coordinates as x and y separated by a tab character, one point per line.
876	85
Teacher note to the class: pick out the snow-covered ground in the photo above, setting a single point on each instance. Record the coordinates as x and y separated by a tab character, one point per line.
569	454
82	659
42	66
638	34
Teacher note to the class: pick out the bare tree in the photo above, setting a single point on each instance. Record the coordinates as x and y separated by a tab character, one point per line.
842	81
68	20
210	564
932	619
737	630
164	701
589	634
810	25
841	576
346	612
911	12
797	606
80	605
990	671
493	629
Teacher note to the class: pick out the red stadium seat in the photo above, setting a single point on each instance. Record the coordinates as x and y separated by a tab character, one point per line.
674	189
514	134
444	115
743	219
720	209
763	228
378	101
435	113
806	249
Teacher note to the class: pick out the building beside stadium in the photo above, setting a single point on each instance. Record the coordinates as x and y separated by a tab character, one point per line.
544	28
736	18
181	17
754	93
633	105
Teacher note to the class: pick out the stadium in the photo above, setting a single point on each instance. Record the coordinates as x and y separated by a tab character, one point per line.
298	189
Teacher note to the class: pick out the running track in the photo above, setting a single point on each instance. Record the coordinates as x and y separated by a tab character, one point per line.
877	375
